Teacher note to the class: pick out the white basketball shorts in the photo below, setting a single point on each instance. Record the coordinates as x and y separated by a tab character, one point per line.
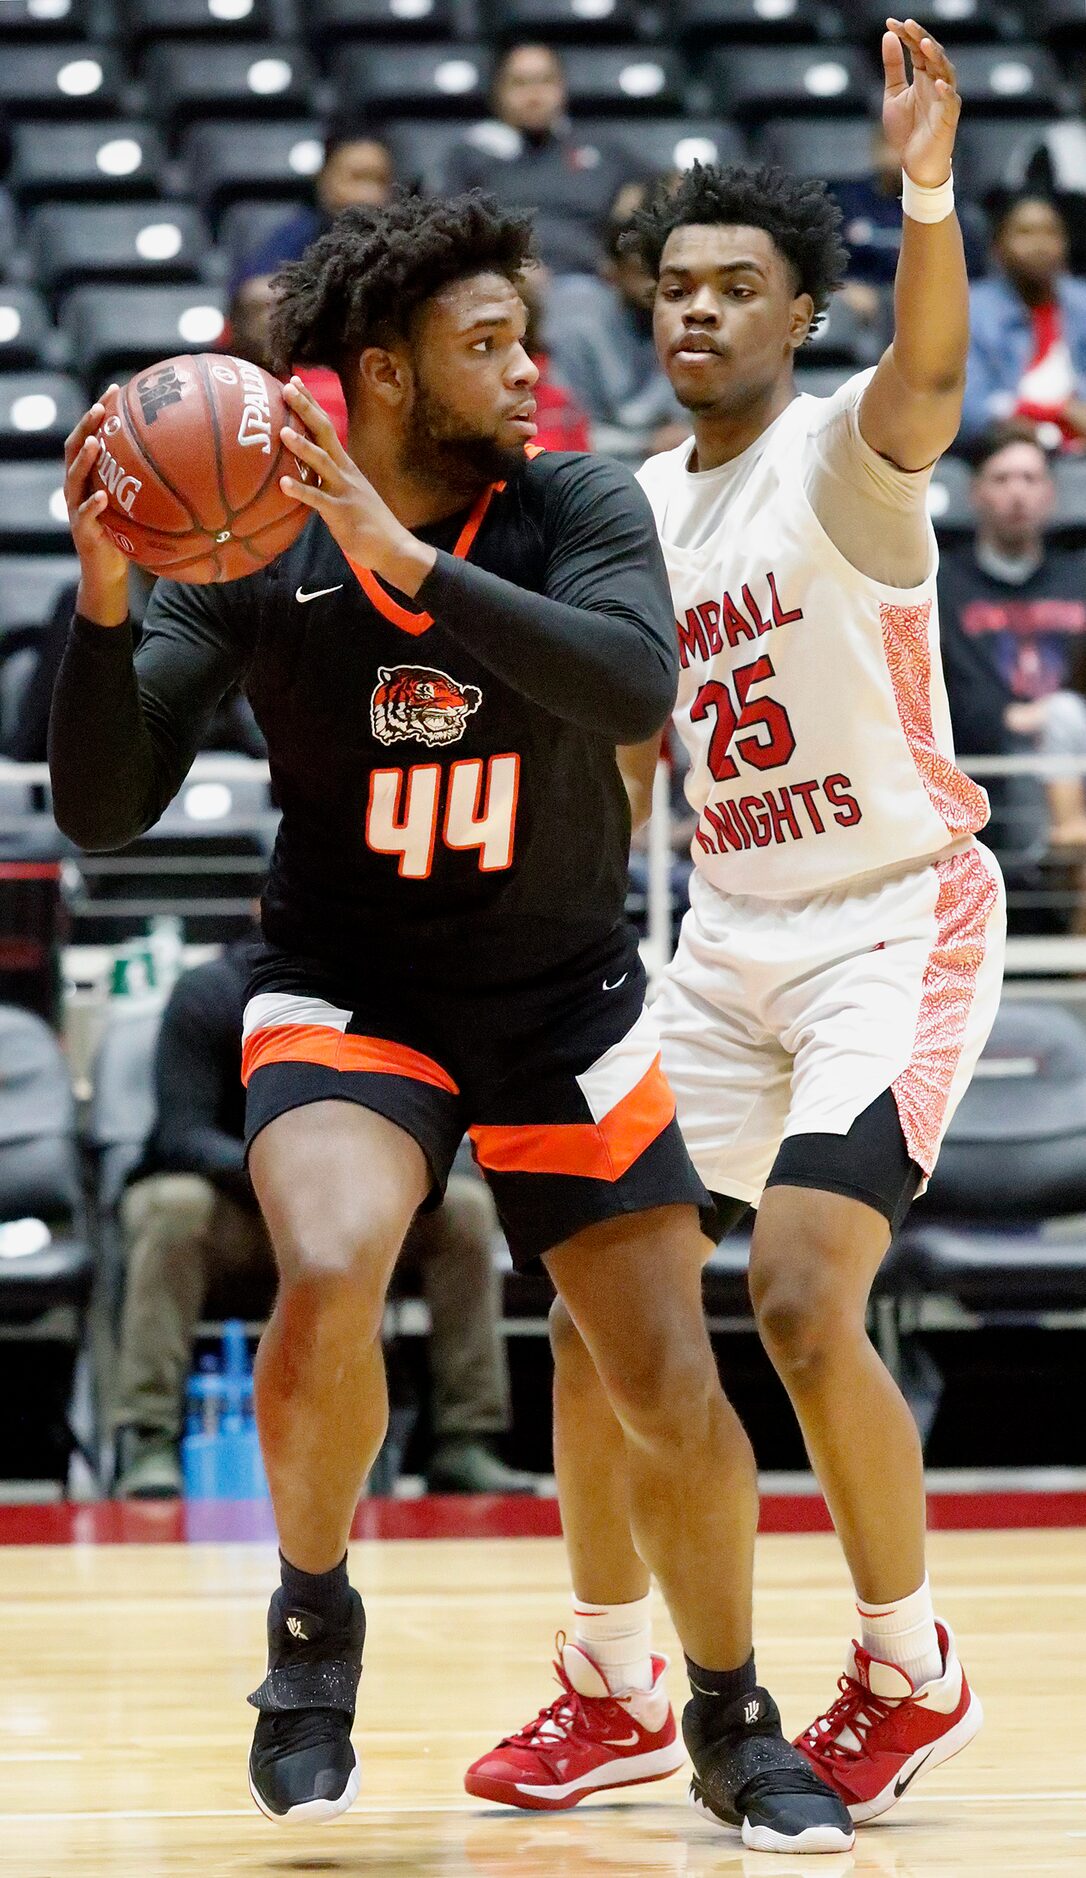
790	1017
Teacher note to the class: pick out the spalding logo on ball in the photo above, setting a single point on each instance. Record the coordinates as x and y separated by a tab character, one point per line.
191	459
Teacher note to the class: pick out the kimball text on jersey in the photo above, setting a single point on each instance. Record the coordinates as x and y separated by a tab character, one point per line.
780	815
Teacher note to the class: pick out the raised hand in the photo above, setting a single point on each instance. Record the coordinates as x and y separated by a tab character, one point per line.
920	119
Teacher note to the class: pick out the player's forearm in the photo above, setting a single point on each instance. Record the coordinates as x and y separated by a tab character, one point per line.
101	757
605	672
931	309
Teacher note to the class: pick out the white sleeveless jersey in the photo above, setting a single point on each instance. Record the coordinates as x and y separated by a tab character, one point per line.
811	698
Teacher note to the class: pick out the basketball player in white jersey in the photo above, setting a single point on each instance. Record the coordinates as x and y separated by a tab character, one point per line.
840	966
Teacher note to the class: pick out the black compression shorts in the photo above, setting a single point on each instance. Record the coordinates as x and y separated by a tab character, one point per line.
557	1081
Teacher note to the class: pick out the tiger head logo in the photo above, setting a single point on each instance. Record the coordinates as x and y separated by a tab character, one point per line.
416	701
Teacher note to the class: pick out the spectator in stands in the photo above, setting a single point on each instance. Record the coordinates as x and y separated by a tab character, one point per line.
529	157
193	1234
871	207
560	422
357	170
246	337
1012	608
601	334
26	715
1027	355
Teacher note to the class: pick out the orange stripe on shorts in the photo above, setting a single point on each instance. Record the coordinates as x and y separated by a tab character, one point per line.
327	1047
602	1151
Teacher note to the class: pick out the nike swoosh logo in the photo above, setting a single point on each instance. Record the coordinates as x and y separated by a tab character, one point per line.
627	1743
617	983
317	595
901	1785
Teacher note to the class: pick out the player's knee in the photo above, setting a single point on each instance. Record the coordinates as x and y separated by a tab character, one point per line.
334	1273
666	1395
797	1322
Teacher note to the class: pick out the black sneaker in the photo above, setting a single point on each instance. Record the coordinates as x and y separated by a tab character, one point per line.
302	1764
747	1775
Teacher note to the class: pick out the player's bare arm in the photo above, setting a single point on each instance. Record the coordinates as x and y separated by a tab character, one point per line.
911	409
637	763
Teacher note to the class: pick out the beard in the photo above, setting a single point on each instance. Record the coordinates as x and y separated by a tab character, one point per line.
439	445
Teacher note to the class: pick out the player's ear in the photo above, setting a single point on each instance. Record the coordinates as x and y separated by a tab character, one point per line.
799	320
384	374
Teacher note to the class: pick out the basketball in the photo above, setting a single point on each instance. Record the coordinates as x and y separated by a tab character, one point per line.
190	458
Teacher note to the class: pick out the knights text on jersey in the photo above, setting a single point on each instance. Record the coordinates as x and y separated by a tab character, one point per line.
811	697
431	810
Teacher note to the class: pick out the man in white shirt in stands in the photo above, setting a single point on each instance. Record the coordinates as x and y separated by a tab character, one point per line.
840	967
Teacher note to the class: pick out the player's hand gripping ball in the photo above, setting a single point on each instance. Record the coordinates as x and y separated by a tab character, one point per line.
190	458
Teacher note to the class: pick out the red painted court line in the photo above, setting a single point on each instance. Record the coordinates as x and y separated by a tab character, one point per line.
461	1517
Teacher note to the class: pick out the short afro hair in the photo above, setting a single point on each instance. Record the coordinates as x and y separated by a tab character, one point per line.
362	282
798	214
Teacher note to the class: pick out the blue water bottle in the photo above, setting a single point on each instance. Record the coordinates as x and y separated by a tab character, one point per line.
240	1470
200	1442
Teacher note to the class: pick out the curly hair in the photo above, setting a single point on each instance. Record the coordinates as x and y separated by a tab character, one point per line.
361	283
798	214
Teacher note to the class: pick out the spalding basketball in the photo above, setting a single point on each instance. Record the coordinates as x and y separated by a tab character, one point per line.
191	459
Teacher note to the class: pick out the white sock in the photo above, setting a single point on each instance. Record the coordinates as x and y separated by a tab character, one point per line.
904	1633
618	1637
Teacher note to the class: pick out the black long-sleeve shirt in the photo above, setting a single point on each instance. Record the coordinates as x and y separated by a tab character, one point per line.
450	796
200	1101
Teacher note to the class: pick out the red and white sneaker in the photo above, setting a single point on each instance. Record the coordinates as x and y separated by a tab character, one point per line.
882	1731
587	1740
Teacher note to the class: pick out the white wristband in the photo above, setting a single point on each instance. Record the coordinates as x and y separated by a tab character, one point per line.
927	205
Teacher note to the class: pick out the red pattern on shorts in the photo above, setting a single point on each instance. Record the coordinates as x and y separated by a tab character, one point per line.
961	804
966	897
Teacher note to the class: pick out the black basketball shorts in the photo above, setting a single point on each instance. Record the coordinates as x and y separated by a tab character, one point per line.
557	1081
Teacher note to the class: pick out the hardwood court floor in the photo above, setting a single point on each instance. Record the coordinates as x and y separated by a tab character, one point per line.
124	1730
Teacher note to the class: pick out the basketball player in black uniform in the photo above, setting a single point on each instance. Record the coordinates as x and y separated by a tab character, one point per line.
442	666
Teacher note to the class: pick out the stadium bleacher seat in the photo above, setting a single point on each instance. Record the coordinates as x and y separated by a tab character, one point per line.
699	23
37	410
32	512
123	157
72	80
625	78
40	1182
29	585
1020	78
148	20
449	80
8	231
995	152
118	329
228	161
560	20
753	82
1069	519
954	22
820	381
948	498
145	241
26	19
842	339
1061	23
664	144
836	149
24	328
187	80
996	1232
328	21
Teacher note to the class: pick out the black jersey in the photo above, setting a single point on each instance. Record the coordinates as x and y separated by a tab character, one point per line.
445	765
